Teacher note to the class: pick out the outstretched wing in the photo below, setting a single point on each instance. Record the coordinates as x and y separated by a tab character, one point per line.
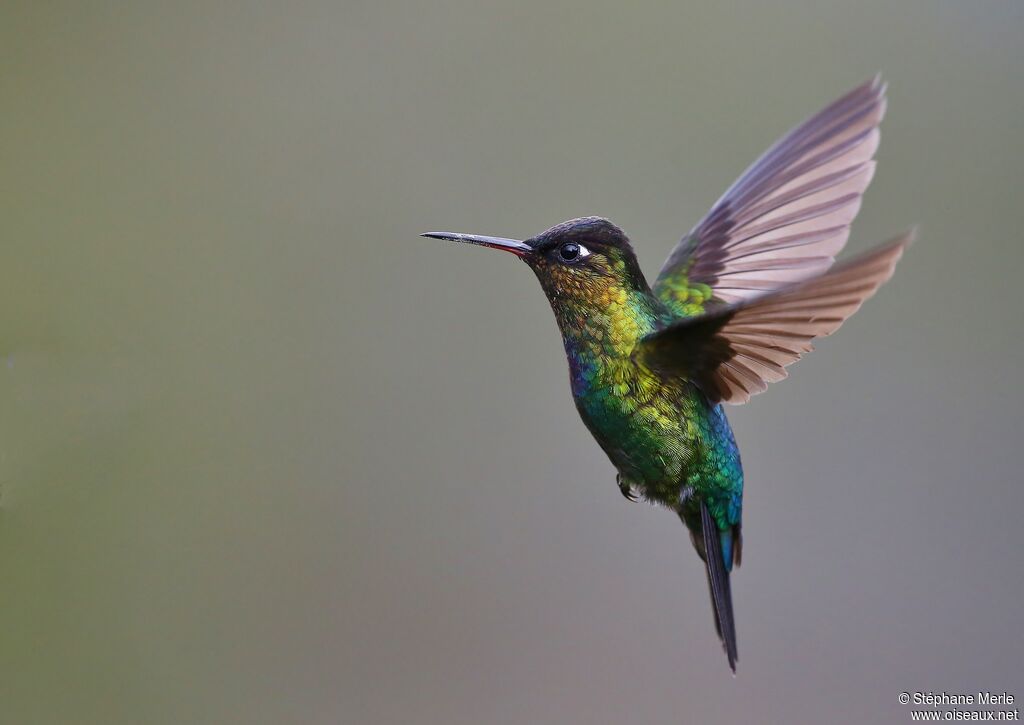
787	216
733	352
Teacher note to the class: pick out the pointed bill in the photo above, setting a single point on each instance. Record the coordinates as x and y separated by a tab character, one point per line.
518	248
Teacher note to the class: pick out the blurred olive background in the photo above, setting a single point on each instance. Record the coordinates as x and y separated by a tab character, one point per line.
266	456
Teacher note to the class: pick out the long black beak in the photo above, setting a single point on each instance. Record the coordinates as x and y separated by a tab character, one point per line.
520	249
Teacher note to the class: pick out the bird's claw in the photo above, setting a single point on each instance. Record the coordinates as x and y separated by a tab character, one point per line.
627	490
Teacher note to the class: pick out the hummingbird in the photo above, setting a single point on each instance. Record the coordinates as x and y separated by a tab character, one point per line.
741	297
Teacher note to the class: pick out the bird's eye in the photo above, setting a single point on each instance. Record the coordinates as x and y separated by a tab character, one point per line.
570	252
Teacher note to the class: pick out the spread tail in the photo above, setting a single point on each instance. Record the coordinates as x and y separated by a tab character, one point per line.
718	580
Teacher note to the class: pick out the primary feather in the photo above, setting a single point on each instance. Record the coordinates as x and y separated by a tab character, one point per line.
788	215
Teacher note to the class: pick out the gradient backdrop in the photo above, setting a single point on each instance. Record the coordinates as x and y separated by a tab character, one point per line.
266	456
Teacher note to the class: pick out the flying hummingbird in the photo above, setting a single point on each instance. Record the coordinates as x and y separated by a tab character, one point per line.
740	298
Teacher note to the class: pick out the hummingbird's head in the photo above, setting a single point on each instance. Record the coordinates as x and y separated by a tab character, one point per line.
584	263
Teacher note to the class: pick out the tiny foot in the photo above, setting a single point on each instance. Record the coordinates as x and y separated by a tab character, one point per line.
626	489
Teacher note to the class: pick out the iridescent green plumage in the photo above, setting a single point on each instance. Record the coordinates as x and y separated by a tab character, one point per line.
740	298
657	431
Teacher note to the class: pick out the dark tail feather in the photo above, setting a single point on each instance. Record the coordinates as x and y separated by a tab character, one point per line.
718	580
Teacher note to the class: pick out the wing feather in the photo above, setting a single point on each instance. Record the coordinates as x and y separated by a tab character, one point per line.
789	214
733	352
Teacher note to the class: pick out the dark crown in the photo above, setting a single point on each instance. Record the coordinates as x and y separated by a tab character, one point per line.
590	230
